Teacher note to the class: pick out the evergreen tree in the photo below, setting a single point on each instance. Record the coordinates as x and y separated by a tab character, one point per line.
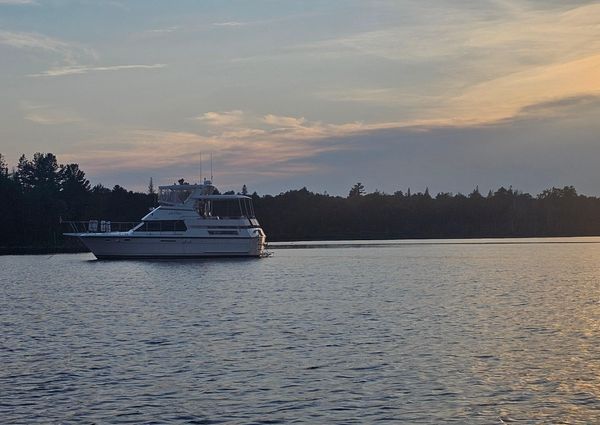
24	173
357	190
72	178
3	167
475	194
152	195
39	173
151	190
74	190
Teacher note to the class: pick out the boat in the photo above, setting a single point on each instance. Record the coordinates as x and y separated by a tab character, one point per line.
190	221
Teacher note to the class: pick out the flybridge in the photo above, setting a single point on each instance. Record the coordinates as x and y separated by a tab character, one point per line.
181	193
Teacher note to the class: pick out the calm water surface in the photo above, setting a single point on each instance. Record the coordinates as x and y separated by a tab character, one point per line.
390	332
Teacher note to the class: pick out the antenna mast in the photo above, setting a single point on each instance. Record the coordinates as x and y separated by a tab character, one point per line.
211	167
201	181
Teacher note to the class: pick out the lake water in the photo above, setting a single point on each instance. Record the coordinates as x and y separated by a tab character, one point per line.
398	332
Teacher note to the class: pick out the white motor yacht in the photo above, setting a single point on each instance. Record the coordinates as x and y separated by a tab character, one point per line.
190	222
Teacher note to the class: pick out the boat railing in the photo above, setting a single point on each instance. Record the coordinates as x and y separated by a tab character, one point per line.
99	226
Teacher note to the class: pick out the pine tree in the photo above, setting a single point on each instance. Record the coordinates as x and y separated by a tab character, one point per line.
75	190
357	190
151	190
3	167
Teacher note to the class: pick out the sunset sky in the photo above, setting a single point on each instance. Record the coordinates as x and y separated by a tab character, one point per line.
395	94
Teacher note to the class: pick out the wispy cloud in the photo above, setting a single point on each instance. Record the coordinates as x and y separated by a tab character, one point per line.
69	53
18	2
281	19
279	121
560	107
492	65
263	144
386	96
49	114
505	96
222	119
258	147
163	30
156	32
230	24
76	70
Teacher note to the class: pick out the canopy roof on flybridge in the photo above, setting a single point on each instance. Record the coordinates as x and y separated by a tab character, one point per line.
184	186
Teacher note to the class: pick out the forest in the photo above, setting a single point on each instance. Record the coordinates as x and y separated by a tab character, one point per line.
38	193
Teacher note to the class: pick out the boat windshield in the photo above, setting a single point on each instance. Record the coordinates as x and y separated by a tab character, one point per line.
172	195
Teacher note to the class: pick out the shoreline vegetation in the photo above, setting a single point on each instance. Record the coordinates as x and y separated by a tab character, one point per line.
38	193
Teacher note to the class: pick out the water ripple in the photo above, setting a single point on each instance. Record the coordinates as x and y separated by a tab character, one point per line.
379	333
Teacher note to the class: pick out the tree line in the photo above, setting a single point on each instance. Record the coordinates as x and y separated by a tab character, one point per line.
39	192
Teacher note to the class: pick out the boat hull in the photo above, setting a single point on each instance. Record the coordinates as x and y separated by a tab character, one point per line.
105	246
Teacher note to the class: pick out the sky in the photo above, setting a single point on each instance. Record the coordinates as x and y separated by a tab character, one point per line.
438	94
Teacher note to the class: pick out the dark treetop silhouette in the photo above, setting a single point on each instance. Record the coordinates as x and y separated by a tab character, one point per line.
39	192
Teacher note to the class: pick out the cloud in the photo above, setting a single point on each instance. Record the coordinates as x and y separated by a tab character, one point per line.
462	64
555	145
76	70
163	30
253	148
222	119
264	145
69	53
362	95
230	24
424	68
284	122
156	32
559	107
455	31
525	150
18	2
49	114
138	149
505	96
282	19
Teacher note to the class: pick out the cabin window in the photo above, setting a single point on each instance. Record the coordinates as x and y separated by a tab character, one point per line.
223	232
226	209
162	226
230	208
